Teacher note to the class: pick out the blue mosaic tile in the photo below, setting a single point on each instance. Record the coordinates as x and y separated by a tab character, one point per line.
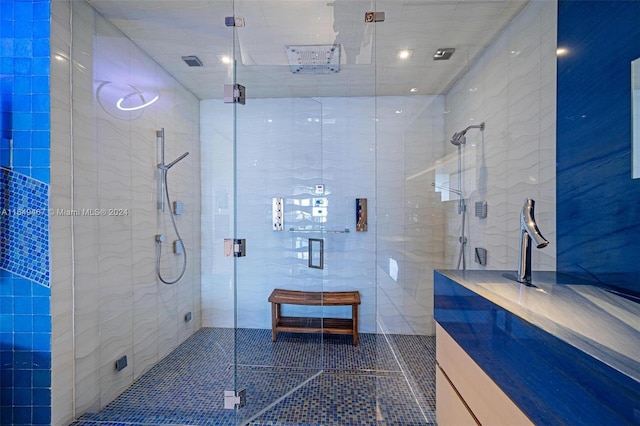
302	379
24	226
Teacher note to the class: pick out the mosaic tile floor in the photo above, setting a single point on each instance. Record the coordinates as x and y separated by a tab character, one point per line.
298	380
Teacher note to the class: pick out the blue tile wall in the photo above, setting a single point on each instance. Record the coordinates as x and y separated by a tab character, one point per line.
25	317
598	213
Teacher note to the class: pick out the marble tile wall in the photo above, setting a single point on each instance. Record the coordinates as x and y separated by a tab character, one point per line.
105	161
512	88
284	152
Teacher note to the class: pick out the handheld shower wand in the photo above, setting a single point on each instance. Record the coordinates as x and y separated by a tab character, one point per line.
164	197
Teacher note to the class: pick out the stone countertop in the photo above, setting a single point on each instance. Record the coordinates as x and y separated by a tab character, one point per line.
564	350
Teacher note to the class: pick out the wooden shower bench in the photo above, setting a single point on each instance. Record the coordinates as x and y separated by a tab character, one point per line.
310	324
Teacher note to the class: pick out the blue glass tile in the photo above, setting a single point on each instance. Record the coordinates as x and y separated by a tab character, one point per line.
41	416
22	379
42	342
41	47
21	103
40	84
41	121
6	29
6	339
40	158
21	393
21	287
22	306
23	31
22	323
22	358
41	397
6	396
21	139
22	415
6	47
21	157
22	66
42	174
41	66
41	11
40	102
41	378
23	341
23	11
41	291
41	323
41	30
22	48
22	121
6	321
21	84
6	304
40	139
6	10
41	306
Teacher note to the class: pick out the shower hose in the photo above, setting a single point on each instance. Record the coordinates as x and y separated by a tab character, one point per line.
159	241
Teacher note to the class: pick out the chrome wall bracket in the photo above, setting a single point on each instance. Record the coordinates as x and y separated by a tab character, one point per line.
234	93
236	247
233	399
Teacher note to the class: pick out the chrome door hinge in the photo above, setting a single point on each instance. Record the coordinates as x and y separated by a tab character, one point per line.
234	93
233	399
235	247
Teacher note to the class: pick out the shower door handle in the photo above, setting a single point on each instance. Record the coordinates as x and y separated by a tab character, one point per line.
316	253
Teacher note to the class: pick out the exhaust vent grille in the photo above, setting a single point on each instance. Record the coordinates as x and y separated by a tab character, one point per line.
314	59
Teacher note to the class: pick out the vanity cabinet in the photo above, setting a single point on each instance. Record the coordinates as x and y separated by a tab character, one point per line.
465	395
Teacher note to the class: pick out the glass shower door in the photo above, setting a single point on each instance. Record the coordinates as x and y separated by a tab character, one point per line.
278	205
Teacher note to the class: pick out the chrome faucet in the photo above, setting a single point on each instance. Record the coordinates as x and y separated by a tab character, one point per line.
528	230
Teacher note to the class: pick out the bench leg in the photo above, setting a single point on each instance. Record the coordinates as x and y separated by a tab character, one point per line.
274	320
354	320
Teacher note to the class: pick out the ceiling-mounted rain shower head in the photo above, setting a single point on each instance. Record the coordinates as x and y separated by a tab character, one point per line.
314	59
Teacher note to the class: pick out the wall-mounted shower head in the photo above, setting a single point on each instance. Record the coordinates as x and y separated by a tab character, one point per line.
459	138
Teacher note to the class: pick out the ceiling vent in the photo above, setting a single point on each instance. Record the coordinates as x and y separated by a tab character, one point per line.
443	53
192	61
314	59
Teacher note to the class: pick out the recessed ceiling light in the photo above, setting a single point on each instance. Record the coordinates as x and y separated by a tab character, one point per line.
224	59
414	89
561	51
398	111
405	53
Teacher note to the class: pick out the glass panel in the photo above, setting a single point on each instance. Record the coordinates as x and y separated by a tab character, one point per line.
278	155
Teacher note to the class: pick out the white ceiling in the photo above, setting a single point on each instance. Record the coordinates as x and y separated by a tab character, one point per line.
170	29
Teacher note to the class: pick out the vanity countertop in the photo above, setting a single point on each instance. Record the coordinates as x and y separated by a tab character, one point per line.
564	350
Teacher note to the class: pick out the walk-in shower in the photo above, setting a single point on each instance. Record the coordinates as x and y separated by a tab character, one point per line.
165	200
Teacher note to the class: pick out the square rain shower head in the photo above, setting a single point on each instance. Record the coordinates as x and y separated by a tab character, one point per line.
314	59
